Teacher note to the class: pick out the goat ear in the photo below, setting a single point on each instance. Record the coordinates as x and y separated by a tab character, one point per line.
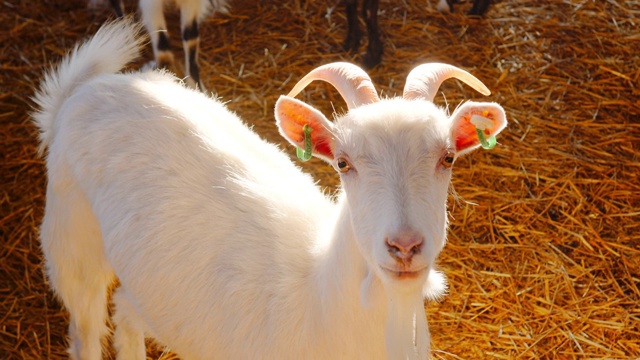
291	117
464	132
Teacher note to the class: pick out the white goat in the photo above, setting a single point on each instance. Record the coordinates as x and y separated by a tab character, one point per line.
222	246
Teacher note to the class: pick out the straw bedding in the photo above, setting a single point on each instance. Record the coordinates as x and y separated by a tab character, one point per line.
543	257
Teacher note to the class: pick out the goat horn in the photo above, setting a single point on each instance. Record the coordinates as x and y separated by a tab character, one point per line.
353	83
425	80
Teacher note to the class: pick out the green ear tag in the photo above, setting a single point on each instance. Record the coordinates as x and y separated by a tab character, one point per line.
305	154
486	143
481	123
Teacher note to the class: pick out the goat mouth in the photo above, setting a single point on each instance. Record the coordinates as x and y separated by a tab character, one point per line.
404	274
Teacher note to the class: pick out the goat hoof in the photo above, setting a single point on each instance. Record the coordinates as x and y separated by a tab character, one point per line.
372	57
351	44
445	6
370	61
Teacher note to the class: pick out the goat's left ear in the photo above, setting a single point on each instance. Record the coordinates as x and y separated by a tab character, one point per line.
291	117
463	130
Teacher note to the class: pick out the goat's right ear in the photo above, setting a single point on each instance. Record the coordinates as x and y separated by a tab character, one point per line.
291	117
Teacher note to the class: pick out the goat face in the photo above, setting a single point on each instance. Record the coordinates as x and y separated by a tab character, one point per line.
391	159
394	159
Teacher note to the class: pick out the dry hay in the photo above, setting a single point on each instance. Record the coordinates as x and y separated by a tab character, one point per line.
543	258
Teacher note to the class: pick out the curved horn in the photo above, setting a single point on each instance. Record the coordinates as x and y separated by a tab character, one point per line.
425	80
353	83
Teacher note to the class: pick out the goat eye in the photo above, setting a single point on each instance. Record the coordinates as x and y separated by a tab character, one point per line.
343	165
447	159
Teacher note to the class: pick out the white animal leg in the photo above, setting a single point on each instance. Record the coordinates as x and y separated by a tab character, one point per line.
154	21
128	337
189	16
77	268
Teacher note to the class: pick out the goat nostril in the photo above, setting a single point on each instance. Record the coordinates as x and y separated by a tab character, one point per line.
415	249
407	245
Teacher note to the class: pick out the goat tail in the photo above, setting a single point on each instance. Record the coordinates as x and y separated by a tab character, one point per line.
114	45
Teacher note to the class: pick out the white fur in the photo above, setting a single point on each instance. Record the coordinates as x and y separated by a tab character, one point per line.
223	247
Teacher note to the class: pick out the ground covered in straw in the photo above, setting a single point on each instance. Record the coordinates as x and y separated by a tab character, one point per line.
543	258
